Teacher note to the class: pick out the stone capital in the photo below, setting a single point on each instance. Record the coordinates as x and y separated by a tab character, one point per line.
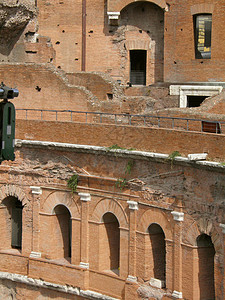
178	216
131	278
133	205
37	190
177	295
223	228
85	197
84	265
35	254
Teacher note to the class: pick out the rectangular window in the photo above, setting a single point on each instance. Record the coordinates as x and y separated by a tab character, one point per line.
203	32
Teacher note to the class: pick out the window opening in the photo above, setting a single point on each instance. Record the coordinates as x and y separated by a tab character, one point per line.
158	248
206	253
138	67
65	226
16	239
195	101
203	32
111	246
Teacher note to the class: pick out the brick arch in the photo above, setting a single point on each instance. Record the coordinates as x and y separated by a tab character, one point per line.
14	191
203	226
110	205
151	216
61	198
137	44
203	8
119	5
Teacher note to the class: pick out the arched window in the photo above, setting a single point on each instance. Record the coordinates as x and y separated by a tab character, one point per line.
157	252
110	243
206	253
62	232
13	221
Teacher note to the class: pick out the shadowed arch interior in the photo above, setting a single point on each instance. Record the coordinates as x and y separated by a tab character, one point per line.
206	253
14	221
157	248
109	243
63	230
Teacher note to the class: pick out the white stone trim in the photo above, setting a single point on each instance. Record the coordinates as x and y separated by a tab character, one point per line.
197	156
223	228
99	149
177	294
37	190
85	197
113	15
84	265
35	254
157	283
133	205
178	216
132	278
193	90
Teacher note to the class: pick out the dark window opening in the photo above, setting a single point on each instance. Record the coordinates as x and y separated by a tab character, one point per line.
16	241
195	101
65	228
203	32
206	253
109	96
158	248
111	246
138	67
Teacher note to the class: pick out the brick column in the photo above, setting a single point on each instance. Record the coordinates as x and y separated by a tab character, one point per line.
36	192
177	254
84	241
133	206
223	230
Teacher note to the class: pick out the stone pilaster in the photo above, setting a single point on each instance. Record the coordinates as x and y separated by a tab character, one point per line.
177	254
133	206
36	192
223	231
85	198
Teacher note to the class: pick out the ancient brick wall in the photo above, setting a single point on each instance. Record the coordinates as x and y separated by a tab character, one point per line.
150	201
173	40
180	62
140	138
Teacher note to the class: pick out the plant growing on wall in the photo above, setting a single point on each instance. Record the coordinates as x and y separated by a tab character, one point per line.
72	183
122	182
172	156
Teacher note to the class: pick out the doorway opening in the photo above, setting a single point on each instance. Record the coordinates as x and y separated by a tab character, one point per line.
138	67
195	101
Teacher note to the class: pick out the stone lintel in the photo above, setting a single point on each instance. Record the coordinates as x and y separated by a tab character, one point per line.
178	216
